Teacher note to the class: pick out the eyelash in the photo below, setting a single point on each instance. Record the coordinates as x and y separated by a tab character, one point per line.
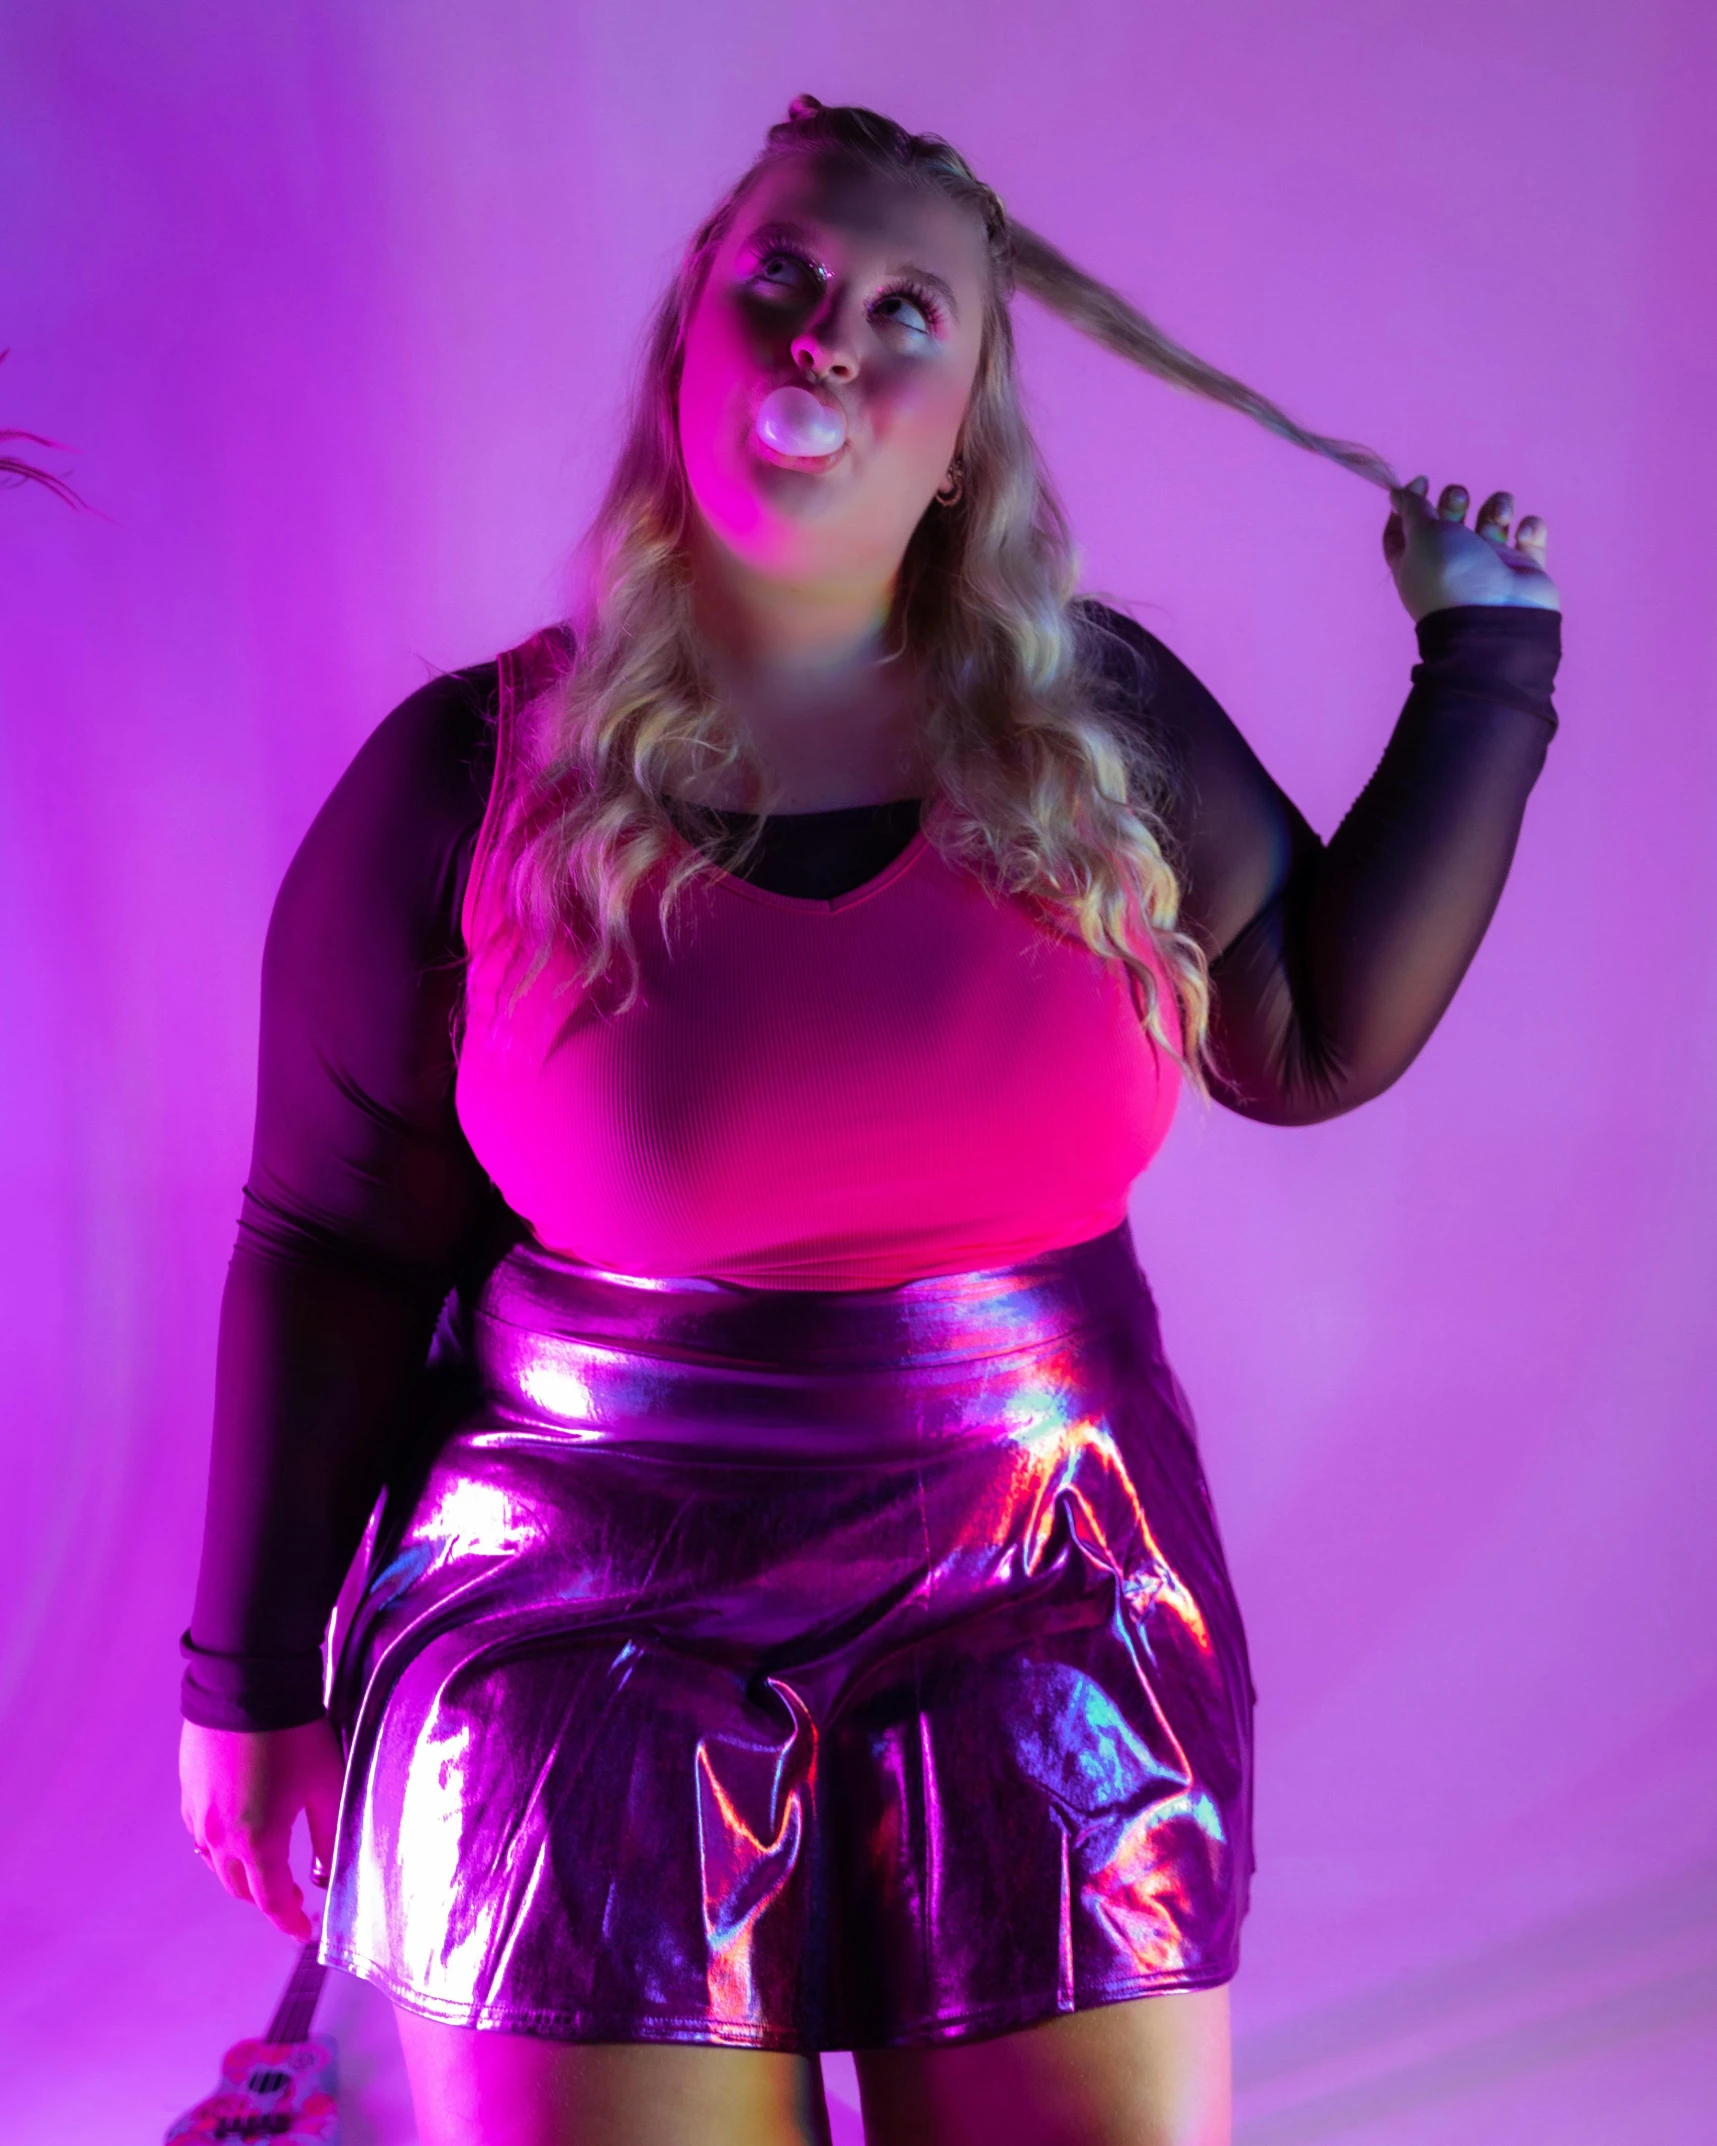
923	299
906	287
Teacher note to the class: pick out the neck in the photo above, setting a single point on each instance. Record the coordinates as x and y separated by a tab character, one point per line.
806	672
807	634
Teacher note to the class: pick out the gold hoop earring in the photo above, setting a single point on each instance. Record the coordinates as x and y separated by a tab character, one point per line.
957	478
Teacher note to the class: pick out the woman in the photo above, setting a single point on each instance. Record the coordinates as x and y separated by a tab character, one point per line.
704	1060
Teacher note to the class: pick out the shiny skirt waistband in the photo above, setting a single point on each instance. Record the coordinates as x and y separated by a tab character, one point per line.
594	1356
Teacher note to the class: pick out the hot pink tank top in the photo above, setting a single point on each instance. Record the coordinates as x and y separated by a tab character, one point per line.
915	1078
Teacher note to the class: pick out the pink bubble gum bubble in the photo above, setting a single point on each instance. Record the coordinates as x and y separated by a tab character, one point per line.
794	422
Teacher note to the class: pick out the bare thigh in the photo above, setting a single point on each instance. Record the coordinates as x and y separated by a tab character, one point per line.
1153	2071
473	2087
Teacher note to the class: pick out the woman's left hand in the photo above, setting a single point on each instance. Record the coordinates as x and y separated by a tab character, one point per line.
1438	561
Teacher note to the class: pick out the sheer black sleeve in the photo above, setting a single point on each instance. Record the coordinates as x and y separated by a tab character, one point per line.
1331	963
363	1200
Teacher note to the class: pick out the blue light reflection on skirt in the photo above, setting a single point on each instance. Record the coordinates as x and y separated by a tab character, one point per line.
795	1670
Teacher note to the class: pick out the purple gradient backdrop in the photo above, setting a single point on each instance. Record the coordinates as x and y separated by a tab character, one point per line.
336	305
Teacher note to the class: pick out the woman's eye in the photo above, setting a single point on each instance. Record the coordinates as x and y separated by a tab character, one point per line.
917	312
783	272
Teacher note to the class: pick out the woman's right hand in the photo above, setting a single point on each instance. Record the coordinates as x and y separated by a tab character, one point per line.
240	1792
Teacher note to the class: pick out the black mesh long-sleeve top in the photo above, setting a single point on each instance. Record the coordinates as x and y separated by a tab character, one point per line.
1331	963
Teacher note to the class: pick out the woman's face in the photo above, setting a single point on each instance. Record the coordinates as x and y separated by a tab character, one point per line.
870	291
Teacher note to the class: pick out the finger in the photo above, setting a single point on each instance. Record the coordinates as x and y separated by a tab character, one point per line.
1452	502
1494	517
272	1888
322	1817
230	1871
1532	536
1407	510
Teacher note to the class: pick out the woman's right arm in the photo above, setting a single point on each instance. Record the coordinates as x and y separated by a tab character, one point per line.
362	1198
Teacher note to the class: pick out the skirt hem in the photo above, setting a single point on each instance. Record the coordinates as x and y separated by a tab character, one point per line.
583	2025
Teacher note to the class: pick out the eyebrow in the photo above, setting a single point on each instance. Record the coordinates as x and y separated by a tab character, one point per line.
801	235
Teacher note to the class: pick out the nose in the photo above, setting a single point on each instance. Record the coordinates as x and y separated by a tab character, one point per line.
823	351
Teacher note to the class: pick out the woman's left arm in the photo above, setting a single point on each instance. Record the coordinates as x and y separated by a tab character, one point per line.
1331	963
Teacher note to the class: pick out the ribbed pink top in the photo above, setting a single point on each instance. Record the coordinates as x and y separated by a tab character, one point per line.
910	1079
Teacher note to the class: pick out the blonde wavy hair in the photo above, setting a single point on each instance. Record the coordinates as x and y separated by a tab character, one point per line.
1037	783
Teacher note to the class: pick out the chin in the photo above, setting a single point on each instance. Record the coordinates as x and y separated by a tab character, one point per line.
790	539
796	556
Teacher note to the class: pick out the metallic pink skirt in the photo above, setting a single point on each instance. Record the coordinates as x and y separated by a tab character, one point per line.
796	1670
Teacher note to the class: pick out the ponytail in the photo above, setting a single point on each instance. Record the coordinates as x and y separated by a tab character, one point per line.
1107	318
1026	262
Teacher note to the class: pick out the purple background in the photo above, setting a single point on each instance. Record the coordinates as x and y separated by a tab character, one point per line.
335	305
